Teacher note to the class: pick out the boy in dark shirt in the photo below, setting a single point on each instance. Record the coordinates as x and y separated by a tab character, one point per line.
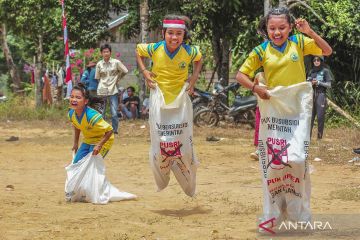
130	105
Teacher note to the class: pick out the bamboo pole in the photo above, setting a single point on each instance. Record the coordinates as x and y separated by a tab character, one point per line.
343	113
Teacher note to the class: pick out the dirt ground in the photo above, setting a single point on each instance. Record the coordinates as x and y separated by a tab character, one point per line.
227	204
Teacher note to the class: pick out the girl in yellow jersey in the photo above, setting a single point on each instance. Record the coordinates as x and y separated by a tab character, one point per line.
170	112
281	56
92	185
282	60
98	135
170	59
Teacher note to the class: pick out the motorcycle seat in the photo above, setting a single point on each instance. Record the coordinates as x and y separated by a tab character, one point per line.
248	100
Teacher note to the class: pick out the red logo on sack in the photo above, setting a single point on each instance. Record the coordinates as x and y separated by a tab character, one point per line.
277	153
170	149
170	152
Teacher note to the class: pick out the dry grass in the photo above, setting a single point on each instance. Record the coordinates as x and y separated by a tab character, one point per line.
346	194
227	205
336	147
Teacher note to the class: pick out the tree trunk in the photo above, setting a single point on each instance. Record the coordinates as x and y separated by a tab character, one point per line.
9	60
39	70
356	68
225	60
144	28
221	53
267	6
144	20
215	42
282	3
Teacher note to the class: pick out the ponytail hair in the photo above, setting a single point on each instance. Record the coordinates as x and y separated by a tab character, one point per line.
262	27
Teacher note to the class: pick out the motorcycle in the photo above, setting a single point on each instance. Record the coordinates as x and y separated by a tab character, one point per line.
200	99
242	110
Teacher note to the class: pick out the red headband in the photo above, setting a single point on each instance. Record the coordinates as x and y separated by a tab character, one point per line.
174	23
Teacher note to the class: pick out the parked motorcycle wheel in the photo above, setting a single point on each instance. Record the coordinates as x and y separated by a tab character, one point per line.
199	106
248	118
206	118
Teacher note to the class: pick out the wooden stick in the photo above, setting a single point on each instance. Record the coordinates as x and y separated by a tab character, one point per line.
343	113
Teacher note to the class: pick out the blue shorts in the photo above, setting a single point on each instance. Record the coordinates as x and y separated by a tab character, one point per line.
85	149
128	113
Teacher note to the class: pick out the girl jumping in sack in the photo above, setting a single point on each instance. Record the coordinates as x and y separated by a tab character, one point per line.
170	111
286	185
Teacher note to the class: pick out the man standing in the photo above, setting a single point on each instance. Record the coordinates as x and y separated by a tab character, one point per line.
109	71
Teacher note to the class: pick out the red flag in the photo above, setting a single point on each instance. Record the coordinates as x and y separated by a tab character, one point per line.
66	42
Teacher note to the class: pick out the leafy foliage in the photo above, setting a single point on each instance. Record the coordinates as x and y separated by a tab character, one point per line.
218	26
345	40
20	108
33	19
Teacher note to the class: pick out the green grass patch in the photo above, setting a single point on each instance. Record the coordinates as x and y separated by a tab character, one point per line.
23	108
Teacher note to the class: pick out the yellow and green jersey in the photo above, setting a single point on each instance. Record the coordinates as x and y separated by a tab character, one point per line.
92	126
283	66
171	69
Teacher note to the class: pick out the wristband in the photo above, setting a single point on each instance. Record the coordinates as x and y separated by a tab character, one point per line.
143	70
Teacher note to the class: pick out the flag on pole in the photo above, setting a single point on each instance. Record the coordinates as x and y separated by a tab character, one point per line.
66	43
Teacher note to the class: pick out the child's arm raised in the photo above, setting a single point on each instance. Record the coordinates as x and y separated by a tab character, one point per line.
303	26
147	74
98	146
76	139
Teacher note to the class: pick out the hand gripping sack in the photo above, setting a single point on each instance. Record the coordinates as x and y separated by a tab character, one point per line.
171	132
86	182
284	139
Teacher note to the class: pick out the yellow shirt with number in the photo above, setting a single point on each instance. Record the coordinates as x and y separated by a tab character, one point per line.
171	69
283	66
92	126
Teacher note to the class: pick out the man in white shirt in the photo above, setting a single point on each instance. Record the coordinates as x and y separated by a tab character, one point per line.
109	71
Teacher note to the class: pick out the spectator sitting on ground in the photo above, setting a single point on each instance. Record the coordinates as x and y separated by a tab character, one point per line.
130	105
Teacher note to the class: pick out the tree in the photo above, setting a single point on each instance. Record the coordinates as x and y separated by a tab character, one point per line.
339	23
221	22
144	28
157	10
39	21
216	21
9	59
39	28
87	20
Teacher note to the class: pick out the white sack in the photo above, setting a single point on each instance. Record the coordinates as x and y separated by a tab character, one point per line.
171	132
86	182
285	132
